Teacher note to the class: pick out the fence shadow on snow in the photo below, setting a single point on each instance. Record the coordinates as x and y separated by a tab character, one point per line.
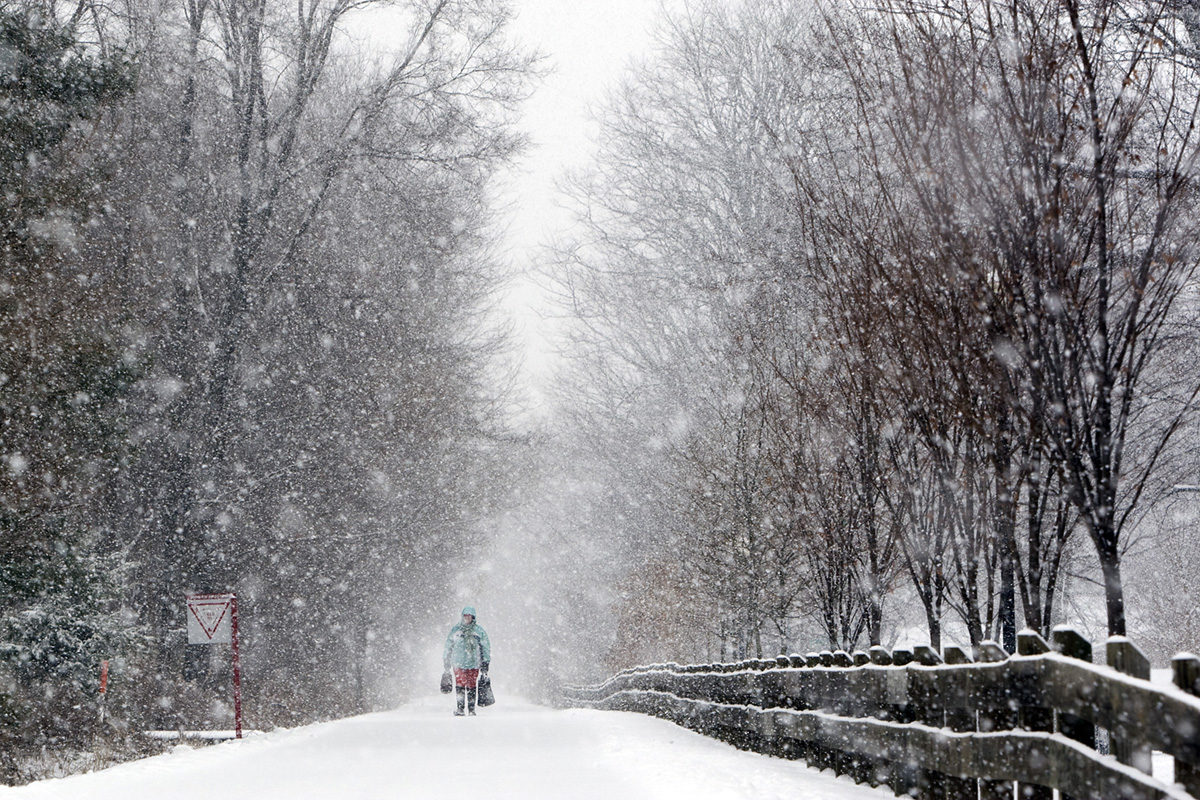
955	725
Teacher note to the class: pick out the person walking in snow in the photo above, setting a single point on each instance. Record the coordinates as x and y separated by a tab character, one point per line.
468	652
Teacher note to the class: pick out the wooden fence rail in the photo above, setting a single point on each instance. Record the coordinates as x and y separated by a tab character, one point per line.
952	725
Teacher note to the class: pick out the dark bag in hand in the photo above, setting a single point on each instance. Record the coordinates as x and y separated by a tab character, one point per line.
447	682
486	698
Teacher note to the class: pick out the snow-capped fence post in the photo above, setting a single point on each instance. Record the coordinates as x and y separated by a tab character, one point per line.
1124	656
770	684
869	768
816	754
859	701
863	767
1034	718
929	710
960	719
879	656
1185	669
994	719
1070	643
798	698
903	776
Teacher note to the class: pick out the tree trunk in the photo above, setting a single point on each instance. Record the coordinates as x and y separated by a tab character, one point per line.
1114	592
933	620
1006	554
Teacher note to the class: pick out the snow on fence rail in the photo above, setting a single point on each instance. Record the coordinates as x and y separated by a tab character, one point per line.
955	725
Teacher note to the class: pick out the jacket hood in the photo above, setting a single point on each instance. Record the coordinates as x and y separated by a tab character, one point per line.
469	610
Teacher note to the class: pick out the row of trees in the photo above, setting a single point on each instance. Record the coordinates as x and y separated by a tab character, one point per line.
902	300
246	346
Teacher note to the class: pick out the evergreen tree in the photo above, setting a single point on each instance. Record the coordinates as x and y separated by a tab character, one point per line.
62	381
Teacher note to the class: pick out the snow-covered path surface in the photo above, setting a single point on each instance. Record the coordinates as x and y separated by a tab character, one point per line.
512	750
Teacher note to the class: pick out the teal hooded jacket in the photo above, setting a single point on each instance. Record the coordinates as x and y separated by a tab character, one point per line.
467	646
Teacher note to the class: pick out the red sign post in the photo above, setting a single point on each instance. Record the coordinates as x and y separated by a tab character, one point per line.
213	619
237	668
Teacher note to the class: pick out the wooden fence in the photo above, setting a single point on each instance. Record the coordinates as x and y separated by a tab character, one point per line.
957	725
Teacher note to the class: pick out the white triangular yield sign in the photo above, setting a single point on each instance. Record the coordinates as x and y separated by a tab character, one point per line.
208	618
210	615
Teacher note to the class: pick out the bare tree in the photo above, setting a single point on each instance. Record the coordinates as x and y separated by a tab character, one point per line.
1068	180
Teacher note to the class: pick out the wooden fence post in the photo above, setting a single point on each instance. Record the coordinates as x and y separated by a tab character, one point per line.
926	655
929	710
899	706
1070	643
816	754
881	769
1034	718
1185	668
903	776
994	720
1124	656
961	719
844	760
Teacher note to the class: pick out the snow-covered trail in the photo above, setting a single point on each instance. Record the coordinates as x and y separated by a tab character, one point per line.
512	750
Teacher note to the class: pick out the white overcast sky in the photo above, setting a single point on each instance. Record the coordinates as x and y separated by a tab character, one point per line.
588	44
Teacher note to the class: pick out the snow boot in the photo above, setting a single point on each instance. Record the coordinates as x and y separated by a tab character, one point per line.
462	697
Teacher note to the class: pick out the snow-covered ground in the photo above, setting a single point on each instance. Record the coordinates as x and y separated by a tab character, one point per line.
511	750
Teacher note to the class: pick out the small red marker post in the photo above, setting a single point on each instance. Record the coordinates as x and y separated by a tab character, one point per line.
103	690
237	668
